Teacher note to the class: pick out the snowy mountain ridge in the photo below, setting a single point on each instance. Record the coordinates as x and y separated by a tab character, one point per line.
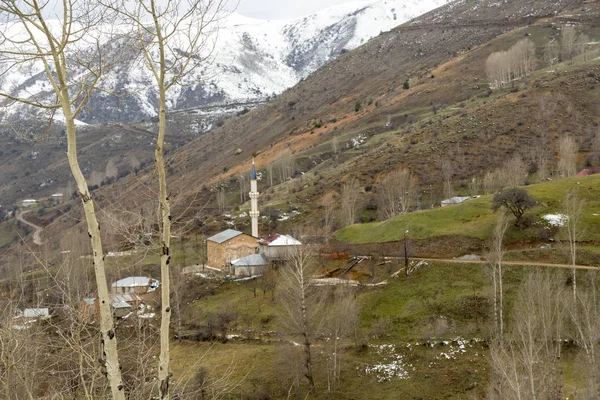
254	59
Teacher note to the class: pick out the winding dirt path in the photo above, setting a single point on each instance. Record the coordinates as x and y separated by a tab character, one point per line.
37	234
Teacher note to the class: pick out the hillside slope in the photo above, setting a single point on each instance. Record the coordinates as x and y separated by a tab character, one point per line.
448	112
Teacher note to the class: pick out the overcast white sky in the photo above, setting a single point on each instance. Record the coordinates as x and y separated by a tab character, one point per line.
282	9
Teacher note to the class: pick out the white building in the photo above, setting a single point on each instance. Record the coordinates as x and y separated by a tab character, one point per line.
454	200
134	284
276	246
28	202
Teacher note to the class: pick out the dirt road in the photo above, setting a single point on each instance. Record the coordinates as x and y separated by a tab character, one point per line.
517	263
37	234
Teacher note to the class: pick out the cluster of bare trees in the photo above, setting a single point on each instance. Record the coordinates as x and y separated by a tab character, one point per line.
396	193
310	311
350	191
512	174
172	38
573	44
567	156
517	62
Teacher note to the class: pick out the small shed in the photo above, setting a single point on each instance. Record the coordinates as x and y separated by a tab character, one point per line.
276	246
133	284
454	200
120	305
27	316
229	245
28	202
251	265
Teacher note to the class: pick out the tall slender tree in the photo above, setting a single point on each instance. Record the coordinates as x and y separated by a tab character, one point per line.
173	37
68	51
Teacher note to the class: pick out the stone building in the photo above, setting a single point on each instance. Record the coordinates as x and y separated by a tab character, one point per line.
227	246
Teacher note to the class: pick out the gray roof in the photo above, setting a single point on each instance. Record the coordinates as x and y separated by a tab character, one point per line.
252	260
456	200
133	281
36	312
224	236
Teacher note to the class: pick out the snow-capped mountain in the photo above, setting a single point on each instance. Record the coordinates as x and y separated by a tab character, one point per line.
254	59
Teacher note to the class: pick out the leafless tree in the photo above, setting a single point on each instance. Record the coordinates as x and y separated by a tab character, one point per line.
302	305
495	256
396	193
474	186
221	199
514	172
524	367
71	57
341	322
492	182
173	38
567	153
567	43
243	188
285	166
111	169
328	206
582	44
447	172
506	66
270	172
585	315
349	197
552	52
573	210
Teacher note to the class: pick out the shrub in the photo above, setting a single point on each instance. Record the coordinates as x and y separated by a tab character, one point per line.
516	200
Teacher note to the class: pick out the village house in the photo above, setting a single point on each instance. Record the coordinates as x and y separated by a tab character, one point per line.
134	284
227	246
277	247
120	306
28	316
28	202
251	265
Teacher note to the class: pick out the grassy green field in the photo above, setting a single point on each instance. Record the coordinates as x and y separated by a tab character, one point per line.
412	326
474	218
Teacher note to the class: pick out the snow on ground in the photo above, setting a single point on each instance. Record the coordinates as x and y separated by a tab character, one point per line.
392	364
555	219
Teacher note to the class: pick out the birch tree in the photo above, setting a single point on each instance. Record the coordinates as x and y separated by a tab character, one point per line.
349	198
173	37
567	43
573	210
495	255
69	54
302	305
396	193
567	156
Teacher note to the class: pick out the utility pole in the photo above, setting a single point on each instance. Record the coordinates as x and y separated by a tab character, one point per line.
405	255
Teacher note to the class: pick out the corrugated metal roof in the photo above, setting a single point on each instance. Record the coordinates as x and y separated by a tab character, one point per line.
36	312
224	236
132	281
252	260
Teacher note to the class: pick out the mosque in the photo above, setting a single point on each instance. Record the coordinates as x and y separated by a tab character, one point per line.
241	254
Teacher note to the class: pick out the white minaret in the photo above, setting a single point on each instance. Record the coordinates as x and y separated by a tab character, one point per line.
254	201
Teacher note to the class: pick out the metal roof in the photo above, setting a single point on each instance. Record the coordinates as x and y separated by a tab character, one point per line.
34	313
456	200
252	260
275	239
224	236
133	281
